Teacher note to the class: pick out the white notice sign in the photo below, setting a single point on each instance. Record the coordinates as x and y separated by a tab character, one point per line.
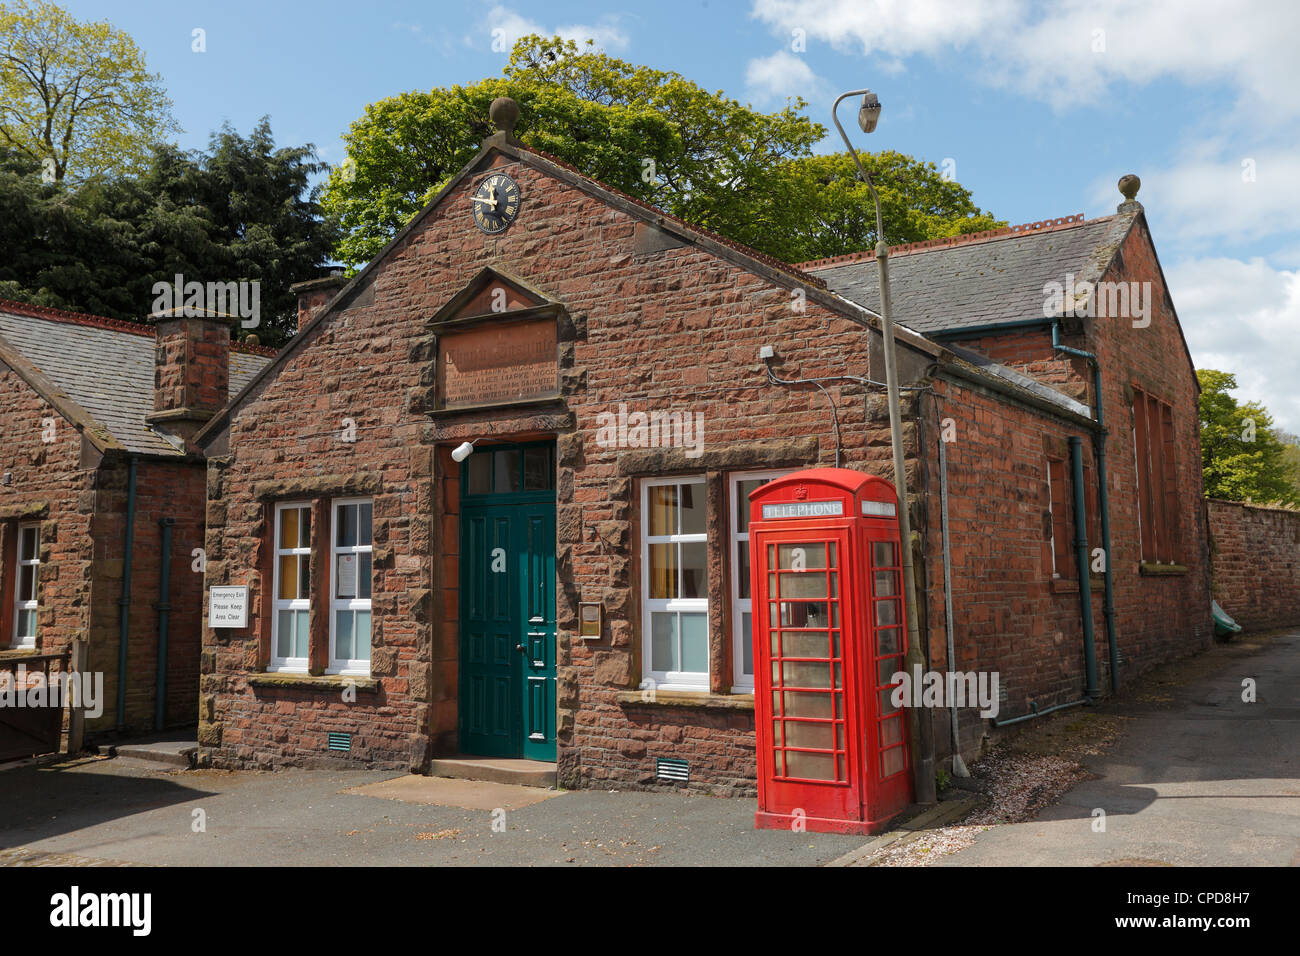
228	606
347	575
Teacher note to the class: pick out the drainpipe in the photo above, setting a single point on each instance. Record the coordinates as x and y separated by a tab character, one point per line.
1103	503
124	602
958	765
1081	558
164	614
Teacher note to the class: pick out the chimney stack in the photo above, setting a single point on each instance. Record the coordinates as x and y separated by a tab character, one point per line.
314	294
191	380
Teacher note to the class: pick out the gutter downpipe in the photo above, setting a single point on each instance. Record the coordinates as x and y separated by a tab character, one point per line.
958	765
164	619
124	602
1081	558
1103	504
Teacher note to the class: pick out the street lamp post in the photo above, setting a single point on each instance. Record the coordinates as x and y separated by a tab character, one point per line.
919	731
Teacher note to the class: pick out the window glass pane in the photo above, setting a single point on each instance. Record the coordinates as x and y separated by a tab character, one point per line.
480	474
288	529
505	470
364	512
300	633
803	733
742	570
27	623
802	557
28	545
891	761
886	583
887	701
887	668
803	585
343	635
884	554
288	577
809	766
800	644
345	517
743	490
805	614
284	634
27	582
304	575
886	613
694	574
363	636
806	704
805	674
663	510
538	472
663	641
747	644
695	642
363	574
691	498
887	641
891	731
663	570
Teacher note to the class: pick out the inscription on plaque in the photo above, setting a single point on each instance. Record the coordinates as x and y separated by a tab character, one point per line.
498	363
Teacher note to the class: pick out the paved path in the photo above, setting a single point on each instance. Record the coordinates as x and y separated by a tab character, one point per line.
1199	778
120	812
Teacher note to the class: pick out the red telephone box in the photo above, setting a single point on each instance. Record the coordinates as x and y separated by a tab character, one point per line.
829	634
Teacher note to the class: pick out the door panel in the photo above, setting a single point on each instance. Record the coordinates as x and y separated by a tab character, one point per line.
507	627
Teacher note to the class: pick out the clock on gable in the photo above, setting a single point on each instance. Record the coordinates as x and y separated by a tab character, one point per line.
496	203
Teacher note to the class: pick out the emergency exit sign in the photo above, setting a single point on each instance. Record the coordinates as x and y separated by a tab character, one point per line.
803	509
228	606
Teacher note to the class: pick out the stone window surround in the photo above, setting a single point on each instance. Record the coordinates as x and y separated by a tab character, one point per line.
11	517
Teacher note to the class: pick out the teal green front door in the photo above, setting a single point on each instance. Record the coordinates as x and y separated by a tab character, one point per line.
507	602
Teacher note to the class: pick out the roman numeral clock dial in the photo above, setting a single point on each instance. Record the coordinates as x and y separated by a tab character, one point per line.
496	203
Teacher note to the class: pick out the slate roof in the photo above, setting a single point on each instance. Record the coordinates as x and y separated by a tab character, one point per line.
106	366
987	279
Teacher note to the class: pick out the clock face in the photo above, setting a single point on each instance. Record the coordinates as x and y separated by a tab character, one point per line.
496	204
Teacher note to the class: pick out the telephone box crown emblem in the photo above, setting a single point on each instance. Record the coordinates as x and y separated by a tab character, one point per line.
800	493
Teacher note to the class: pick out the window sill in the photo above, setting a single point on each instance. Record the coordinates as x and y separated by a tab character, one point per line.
320	681
700	699
8	653
1151	568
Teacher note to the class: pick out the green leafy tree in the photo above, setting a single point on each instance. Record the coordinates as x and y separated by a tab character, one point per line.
653	134
76	97
1242	457
243	210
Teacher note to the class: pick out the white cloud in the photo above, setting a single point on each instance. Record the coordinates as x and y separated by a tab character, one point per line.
1243	317
1054	52
1239	195
507	26
782	75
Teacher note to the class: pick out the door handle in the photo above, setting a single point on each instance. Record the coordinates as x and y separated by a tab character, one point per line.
520	648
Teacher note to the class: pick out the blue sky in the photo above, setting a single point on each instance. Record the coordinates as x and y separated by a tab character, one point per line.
1039	108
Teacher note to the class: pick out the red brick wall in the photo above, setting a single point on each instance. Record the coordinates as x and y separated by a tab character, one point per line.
1256	557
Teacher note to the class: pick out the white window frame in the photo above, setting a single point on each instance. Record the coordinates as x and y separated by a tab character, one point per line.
353	666
277	663
742	683
34	563
669	680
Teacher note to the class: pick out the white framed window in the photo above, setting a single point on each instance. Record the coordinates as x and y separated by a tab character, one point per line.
291	587
25	584
350	584
674	583
740	485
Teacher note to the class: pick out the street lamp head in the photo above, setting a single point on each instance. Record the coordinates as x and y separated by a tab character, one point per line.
868	112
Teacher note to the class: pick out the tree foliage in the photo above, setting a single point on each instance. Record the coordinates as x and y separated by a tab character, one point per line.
653	134
76	98
1242	456
242	210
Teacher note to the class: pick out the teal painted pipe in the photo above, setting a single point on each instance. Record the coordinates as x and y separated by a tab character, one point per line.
124	602
1103	502
1081	557
164	620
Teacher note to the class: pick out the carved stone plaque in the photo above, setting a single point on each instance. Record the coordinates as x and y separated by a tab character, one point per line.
491	364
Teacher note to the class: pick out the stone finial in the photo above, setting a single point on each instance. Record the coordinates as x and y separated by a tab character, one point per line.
504	113
1129	186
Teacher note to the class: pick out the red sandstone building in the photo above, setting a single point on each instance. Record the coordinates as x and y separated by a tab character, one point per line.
602	358
96	413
